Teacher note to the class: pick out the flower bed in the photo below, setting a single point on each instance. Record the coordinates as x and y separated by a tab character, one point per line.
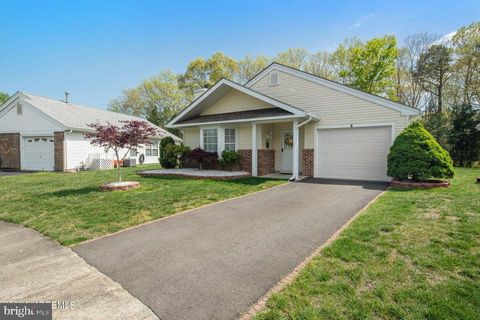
404	184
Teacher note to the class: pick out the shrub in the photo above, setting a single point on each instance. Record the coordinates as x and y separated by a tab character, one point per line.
203	158
168	158
230	159
416	155
182	152
173	156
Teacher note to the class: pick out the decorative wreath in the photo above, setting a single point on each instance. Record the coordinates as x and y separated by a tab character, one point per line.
141	159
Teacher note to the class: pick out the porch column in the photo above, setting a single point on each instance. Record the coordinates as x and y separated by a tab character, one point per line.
254	150
296	148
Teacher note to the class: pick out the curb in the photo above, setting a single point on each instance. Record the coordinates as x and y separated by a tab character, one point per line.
288	279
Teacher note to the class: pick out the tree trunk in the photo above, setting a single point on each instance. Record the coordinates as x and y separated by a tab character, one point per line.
119	175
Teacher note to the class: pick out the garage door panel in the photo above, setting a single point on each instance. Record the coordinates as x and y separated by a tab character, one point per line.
353	153
38	153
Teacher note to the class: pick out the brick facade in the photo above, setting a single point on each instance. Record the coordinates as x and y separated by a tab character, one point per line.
246	162
59	152
266	161
307	162
10	150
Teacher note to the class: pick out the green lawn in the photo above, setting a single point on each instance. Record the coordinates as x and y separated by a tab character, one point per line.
411	255
70	208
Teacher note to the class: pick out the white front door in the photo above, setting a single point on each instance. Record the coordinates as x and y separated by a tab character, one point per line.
38	153
287	151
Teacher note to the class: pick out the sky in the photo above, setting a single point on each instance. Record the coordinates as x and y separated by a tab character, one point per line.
95	49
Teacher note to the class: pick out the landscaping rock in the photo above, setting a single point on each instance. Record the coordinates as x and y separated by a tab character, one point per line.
120	186
420	184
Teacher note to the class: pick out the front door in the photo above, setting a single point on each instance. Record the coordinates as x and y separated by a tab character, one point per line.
287	151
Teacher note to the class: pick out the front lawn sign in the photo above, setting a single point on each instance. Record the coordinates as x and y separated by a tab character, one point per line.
120	139
417	160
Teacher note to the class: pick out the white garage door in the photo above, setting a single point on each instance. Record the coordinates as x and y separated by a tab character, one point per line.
38	153
353	153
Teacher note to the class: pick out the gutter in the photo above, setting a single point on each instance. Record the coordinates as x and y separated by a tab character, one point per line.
294	177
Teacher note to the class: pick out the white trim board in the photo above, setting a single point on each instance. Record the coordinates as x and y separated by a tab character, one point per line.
405	110
224	82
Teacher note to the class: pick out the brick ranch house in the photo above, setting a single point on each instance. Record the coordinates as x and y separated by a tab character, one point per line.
38	133
290	121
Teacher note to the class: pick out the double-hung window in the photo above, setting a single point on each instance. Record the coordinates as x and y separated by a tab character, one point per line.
151	149
229	139
210	140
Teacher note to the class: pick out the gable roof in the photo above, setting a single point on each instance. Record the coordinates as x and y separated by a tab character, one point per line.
77	117
220	88
405	110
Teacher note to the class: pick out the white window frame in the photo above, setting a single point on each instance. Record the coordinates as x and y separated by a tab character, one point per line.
218	139
278	78
149	147
221	136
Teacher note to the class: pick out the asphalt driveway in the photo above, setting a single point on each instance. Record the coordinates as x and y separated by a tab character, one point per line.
215	262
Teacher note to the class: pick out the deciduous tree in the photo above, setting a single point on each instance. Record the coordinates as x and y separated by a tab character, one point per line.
130	135
3	97
368	66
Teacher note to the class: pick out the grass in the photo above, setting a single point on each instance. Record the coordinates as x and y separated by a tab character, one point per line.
412	255
70	208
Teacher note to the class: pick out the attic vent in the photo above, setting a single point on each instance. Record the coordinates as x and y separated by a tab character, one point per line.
273	78
19	108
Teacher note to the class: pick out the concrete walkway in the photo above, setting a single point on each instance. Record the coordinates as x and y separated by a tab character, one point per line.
215	262
34	268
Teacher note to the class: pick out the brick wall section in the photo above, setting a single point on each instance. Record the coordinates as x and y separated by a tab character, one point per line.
246	162
10	150
266	161
59	151
307	162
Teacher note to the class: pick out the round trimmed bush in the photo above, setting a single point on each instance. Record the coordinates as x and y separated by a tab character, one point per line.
416	155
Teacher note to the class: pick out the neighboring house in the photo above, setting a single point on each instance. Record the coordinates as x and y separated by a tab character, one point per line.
38	133
291	121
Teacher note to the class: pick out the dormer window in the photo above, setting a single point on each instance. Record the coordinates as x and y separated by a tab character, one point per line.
19	109
273	78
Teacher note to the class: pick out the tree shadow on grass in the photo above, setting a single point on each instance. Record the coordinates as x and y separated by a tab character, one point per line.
73	192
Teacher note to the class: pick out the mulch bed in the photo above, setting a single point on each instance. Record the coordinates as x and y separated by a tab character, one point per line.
408	184
120	186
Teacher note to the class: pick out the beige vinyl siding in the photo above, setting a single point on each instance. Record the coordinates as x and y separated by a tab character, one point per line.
235	101
191	137
245	136
332	107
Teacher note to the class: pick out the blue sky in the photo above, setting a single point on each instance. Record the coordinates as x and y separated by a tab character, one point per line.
94	49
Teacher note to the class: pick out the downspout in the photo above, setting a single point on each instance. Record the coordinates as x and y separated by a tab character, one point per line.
294	176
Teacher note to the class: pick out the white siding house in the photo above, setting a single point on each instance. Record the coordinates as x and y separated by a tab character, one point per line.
38	133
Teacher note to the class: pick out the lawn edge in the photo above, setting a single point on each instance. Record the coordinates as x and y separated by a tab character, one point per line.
176	214
289	278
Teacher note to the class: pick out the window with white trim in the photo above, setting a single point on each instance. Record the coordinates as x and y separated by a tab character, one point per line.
229	139
210	140
151	149
273	78
133	152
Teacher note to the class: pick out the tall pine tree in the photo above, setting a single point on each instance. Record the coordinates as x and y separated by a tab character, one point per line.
464	137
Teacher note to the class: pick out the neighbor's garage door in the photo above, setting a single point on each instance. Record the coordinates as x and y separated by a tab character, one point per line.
38	153
353	153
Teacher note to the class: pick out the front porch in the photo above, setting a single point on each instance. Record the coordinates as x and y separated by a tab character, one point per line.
280	148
